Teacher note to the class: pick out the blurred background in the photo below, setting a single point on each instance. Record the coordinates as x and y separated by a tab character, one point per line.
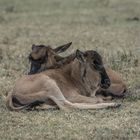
112	27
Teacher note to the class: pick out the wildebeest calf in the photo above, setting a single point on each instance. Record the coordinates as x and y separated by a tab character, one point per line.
63	87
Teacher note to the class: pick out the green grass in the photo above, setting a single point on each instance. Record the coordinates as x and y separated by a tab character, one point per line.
101	25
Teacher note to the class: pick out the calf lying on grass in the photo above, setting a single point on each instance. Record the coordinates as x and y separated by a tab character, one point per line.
63	87
117	88
44	57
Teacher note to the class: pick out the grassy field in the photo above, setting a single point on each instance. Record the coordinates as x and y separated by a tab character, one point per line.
112	27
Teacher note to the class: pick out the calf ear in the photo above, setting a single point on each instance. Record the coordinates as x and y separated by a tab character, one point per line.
62	48
80	56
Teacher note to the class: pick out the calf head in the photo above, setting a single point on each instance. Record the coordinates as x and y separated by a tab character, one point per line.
44	57
92	60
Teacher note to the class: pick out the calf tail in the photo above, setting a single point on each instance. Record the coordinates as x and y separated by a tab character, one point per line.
10	105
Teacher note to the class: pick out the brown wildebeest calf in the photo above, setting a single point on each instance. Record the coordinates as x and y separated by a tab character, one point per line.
117	88
63	87
44	57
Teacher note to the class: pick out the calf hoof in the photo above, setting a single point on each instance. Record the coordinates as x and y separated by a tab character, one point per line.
117	105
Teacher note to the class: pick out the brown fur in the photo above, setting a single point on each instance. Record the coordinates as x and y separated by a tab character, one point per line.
63	87
44	57
117	88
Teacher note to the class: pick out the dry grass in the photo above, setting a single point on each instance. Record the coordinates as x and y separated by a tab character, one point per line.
110	26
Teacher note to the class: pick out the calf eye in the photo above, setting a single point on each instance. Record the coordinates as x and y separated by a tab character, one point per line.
30	58
96	62
97	65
